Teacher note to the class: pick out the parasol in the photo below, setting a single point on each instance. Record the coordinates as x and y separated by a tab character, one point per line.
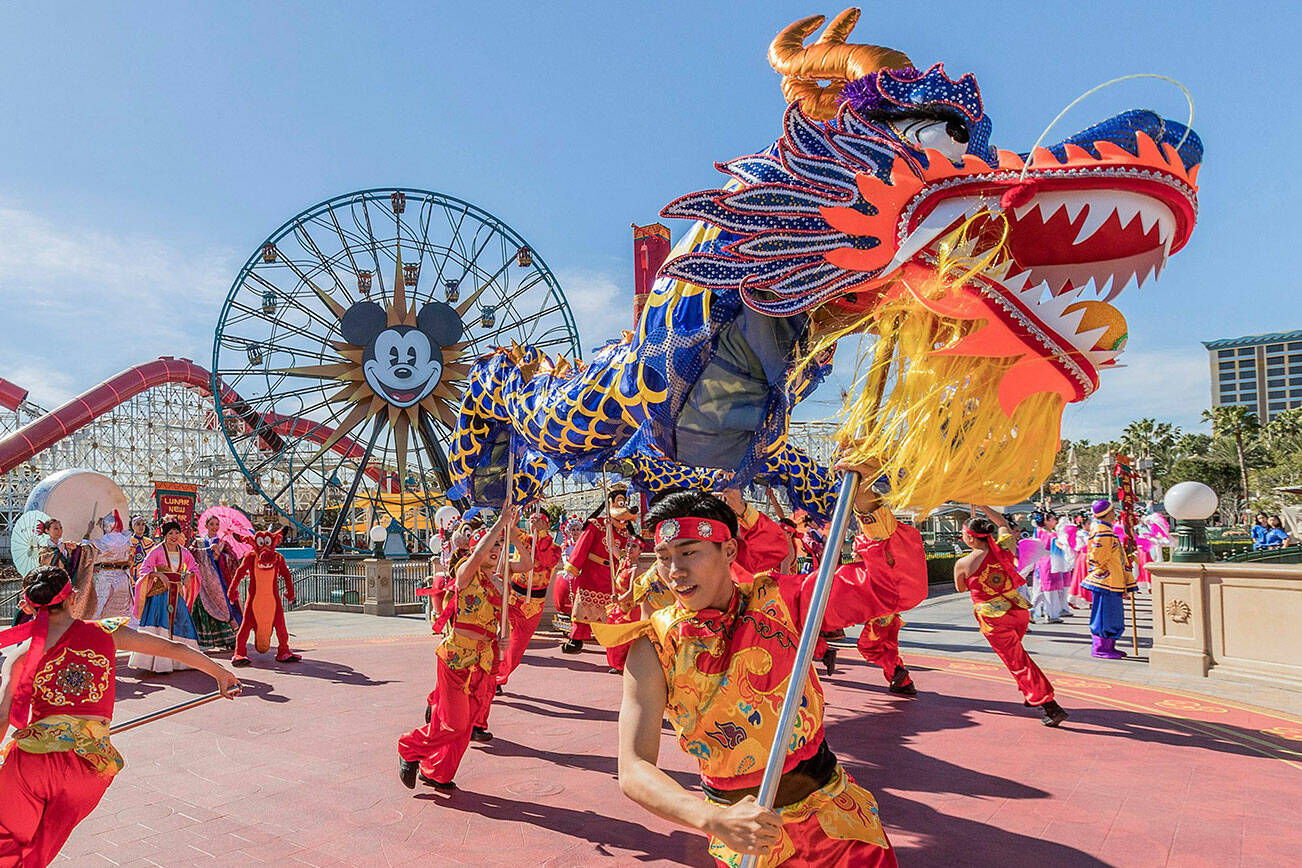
232	521
446	516
25	541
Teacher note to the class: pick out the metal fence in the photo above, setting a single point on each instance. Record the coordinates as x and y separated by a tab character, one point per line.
333	580
342	581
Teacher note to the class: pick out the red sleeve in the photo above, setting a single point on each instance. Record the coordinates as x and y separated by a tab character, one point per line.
889	576
546	555
579	554
763	546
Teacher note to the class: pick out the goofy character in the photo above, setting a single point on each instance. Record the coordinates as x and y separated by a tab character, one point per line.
264	567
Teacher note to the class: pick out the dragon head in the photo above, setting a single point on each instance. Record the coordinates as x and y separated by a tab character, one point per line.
988	274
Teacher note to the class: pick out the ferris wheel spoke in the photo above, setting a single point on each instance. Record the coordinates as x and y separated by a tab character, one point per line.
343	242
352	490
370	243
289	296
309	243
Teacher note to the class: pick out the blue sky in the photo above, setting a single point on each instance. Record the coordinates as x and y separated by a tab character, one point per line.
149	148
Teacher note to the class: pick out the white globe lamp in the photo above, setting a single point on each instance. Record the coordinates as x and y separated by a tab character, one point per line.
1191	504
377	535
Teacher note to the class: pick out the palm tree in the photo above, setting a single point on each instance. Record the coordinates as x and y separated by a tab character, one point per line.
1238	423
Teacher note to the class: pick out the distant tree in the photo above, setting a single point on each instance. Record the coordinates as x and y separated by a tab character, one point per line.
1240	425
1219	474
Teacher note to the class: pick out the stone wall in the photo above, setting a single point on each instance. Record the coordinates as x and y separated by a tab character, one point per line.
1228	620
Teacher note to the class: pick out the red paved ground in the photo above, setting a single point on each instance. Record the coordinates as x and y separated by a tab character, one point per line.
302	770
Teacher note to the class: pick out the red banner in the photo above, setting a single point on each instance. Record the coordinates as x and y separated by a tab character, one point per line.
178	500
650	250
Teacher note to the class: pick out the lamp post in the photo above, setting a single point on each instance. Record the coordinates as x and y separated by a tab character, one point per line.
377	535
1191	504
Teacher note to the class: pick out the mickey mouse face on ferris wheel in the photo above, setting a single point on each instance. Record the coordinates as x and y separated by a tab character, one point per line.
402	363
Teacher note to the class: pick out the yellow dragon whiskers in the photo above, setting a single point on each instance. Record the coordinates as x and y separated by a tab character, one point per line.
934	422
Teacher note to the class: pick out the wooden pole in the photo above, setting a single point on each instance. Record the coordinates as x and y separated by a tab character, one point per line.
166	712
610	534
1134	624
503	626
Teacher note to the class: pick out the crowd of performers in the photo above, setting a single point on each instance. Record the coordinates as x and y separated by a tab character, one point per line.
716	613
163	601
704	630
181	586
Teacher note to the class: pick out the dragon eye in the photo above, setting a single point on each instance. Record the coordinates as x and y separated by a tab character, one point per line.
924	133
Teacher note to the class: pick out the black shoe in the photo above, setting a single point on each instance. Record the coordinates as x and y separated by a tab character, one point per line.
429	713
574	646
613	671
438	785
407	771
901	683
1053	713
499	691
478	733
829	662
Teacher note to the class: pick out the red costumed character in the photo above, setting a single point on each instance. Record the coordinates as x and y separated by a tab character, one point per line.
590	572
265	568
529	596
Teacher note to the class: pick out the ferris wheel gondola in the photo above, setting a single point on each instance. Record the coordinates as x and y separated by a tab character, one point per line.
340	351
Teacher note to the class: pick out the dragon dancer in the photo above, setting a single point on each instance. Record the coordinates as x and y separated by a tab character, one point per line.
528	597
591	568
57	692
990	575
716	663
467	660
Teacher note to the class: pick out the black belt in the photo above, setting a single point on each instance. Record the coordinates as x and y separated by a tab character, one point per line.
809	776
535	593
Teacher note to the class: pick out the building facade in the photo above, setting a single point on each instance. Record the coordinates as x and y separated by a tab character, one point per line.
1260	372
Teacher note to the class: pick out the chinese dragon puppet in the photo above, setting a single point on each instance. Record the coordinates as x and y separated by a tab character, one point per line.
265	568
977	282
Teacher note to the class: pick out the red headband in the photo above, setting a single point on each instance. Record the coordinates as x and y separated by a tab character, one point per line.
691	527
37	630
54	601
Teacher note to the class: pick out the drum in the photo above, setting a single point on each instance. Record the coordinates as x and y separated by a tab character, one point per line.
78	499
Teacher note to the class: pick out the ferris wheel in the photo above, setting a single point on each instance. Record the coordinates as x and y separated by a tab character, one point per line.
341	349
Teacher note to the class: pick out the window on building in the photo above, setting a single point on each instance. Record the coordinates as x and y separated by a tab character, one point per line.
1295	346
1247	351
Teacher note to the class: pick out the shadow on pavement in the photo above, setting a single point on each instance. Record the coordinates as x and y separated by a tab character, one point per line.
614	838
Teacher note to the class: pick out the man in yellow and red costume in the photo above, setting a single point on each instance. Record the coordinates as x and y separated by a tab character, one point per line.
529	593
716	663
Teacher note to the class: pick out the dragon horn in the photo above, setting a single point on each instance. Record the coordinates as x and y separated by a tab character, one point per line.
829	59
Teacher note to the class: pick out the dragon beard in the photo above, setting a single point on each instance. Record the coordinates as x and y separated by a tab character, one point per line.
934	422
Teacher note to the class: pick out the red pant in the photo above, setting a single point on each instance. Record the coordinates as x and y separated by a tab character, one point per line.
1005	636
881	645
43	796
460	699
522	630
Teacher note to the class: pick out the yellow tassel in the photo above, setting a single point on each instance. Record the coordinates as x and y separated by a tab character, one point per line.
934	422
